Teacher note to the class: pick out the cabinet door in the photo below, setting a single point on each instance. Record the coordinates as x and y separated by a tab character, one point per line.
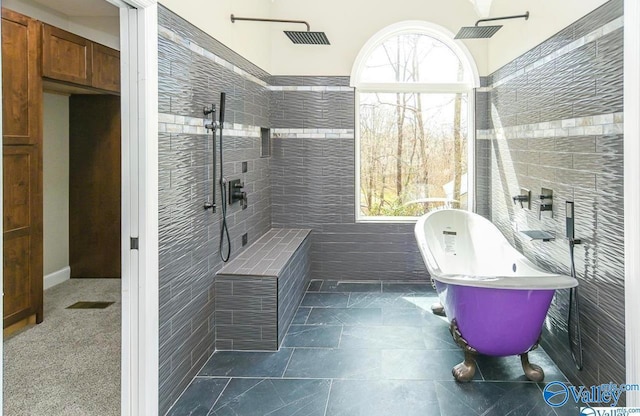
106	68
22	167
65	56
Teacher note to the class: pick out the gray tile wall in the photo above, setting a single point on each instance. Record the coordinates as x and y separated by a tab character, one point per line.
313	185
329	109
246	312
188	81
292	283
580	158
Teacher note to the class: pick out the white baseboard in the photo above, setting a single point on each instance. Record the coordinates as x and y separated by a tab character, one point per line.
57	277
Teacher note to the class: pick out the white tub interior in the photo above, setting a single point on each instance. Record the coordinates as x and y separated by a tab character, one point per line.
463	248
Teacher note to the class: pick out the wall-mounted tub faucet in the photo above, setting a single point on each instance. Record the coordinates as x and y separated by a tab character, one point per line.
522	199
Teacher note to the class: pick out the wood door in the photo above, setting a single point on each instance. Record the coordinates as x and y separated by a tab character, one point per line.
22	169
94	186
106	68
65	56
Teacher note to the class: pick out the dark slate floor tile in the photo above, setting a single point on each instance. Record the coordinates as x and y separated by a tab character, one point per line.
334	363
509	368
314	286
247	364
421	364
412	317
384	300
438	337
313	336
199	397
325	300
382	337
277	397
300	318
401	287
361	287
345	316
491	399
382	398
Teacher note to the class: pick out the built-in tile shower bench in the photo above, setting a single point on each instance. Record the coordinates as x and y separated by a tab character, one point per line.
258	292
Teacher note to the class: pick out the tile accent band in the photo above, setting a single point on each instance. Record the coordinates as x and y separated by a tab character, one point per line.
580	126
313	133
171	123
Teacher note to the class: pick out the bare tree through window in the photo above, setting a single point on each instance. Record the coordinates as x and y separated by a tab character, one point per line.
413	143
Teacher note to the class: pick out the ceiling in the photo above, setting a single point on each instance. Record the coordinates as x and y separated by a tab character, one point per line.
483	7
81	8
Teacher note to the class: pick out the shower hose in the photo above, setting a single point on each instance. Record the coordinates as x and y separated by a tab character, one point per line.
573	304
224	229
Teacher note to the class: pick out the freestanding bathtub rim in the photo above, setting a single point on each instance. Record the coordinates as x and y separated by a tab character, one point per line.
539	280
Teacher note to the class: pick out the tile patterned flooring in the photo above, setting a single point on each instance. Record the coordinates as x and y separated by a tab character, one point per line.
370	349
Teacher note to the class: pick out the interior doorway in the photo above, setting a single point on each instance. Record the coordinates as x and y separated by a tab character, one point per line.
138	292
61	63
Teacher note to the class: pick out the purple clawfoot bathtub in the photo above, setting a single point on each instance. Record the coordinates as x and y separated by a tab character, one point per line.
495	298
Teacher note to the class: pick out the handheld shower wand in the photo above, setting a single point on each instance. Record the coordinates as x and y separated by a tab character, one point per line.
573	292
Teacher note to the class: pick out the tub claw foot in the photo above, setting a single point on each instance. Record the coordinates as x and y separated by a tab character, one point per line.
438	309
465	371
532	371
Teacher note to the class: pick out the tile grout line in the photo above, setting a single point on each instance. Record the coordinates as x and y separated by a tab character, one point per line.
326	406
219	395
286	367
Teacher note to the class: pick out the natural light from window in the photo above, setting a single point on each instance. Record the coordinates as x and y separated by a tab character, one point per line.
413	125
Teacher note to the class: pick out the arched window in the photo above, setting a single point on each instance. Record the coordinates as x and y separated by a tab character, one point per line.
414	114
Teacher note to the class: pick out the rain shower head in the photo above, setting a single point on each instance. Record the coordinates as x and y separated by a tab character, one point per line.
307	38
477	32
298	37
483	32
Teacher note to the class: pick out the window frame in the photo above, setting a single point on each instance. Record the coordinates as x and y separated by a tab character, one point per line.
467	87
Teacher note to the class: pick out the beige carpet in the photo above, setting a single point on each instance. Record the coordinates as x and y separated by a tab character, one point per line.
69	364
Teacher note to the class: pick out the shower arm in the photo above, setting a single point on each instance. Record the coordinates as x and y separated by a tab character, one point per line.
255	19
491	19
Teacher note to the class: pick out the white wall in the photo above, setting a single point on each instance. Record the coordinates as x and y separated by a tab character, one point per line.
249	39
56	182
103	30
547	17
350	23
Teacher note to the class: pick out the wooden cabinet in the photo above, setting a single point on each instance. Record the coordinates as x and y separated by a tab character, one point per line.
22	168
106	68
65	56
71	58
